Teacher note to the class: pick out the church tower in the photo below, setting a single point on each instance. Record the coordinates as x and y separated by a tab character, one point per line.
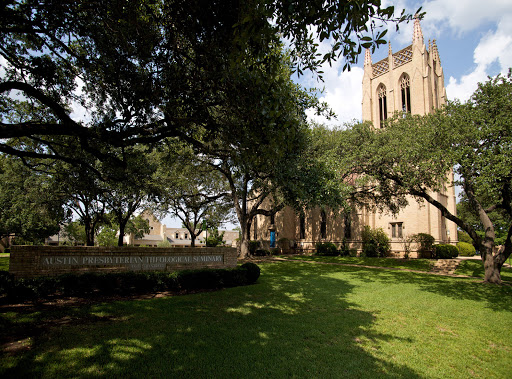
410	80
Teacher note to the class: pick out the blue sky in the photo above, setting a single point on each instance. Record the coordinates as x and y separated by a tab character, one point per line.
474	40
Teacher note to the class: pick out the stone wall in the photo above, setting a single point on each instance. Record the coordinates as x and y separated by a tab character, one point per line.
30	261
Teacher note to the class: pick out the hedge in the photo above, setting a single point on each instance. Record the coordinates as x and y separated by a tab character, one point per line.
445	251
125	283
326	249
466	249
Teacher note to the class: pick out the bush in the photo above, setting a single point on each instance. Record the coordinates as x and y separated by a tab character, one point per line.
253	271
326	249
425	244
445	251
462	236
253	246
344	249
128	282
375	242
466	249
261	253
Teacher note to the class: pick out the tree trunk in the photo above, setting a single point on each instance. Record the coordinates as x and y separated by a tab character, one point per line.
89	236
192	240
244	240
122	227
491	266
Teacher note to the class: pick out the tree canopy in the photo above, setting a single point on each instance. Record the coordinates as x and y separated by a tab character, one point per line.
149	69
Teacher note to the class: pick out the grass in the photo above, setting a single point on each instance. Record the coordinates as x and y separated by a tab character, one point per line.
476	268
299	320
4	263
411	264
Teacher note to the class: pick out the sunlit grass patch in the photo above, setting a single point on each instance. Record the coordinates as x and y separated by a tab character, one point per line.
411	264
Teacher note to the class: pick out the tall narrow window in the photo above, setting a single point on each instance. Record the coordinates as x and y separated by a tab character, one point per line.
348	226
323	225
383	104
272	219
255	226
302	226
405	86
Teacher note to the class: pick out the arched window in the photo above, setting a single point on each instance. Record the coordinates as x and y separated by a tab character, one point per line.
405	90
323	225
302	226
383	103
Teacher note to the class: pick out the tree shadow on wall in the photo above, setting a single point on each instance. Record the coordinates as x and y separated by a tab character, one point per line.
294	322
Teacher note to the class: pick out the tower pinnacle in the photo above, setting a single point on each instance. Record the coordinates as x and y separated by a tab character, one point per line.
417	37
367	58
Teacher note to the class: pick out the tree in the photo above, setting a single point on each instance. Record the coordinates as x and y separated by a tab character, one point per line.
192	190
139	226
414	154
263	151
74	232
83	192
499	217
31	207
162	68
215	238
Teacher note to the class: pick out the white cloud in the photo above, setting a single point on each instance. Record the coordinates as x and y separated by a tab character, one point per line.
463	15
494	47
343	93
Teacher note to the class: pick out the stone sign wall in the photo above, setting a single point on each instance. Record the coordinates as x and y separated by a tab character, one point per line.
29	261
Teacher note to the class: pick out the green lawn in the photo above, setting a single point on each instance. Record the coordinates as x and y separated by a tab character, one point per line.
299	320
411	264
476	268
4	262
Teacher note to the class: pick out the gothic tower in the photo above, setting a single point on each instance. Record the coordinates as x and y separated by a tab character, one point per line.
410	80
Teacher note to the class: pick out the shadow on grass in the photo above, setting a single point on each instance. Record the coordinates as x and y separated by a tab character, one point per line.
495	297
295	322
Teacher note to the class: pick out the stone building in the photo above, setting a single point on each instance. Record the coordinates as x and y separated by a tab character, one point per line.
410	80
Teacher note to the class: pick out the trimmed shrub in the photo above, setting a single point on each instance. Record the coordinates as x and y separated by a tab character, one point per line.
253	271
128	282
466	249
326	249
375	242
445	251
425	244
199	279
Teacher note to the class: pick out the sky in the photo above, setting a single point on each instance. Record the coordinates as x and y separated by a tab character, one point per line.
474	39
